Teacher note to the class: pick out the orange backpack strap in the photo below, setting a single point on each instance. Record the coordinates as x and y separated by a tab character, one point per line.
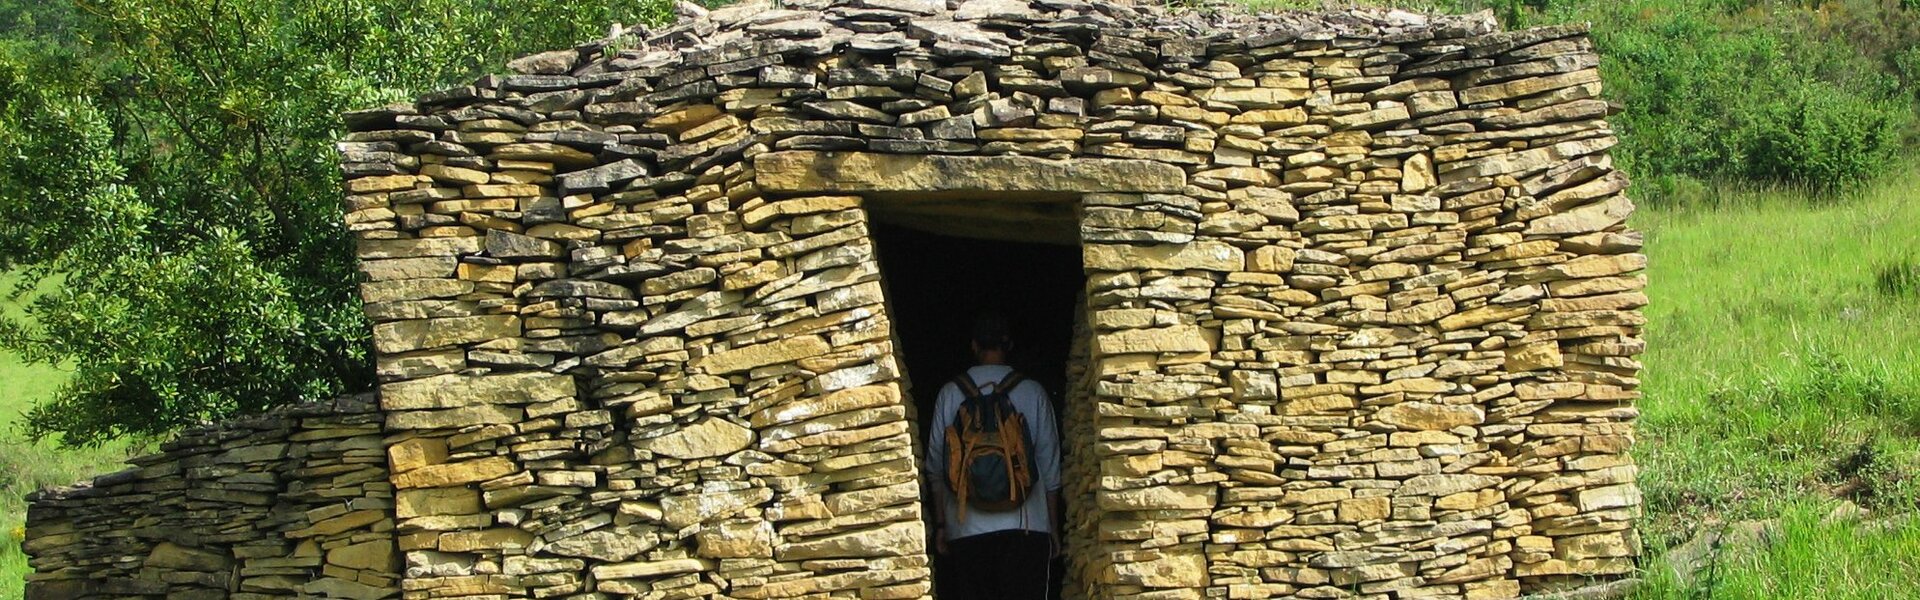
956	472
1006	385
967	386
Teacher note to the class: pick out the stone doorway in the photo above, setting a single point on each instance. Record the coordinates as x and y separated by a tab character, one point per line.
940	270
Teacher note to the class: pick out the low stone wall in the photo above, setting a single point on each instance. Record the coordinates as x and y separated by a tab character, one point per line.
294	503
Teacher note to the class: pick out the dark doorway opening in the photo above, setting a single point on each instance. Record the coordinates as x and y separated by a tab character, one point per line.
937	283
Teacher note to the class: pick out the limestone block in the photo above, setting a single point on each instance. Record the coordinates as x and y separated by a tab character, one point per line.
1423	416
1170	570
457	390
751	539
708	437
419	334
608	545
456	473
890	540
410	454
167	555
1180	338
426	502
815	172
1160	497
1203	255
760	355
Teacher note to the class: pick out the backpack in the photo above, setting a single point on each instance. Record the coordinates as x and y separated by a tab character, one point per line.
989	449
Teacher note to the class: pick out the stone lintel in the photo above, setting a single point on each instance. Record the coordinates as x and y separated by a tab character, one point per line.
800	172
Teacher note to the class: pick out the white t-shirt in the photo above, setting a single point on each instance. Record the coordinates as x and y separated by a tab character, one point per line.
1028	397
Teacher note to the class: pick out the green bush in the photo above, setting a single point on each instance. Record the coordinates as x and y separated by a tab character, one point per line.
1824	138
1817	95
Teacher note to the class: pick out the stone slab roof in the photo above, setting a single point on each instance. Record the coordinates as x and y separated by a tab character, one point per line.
979	29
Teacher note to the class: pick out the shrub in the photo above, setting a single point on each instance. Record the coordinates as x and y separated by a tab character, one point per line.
1727	90
1824	138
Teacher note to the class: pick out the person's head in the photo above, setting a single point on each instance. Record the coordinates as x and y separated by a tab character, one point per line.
991	338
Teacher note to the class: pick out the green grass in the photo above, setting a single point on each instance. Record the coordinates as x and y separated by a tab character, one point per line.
1782	375
1807	555
26	466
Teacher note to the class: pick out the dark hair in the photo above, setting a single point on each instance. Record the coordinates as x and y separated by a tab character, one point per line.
990	331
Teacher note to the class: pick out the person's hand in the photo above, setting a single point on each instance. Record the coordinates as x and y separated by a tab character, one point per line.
1054	546
940	541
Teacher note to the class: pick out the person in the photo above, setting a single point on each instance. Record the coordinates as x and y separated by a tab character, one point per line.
997	554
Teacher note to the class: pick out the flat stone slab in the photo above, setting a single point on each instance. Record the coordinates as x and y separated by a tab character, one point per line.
843	172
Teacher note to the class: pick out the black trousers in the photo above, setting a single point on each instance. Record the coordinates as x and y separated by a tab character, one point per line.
1003	565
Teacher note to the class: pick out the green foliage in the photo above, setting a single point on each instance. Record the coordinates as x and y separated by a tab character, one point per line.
1907	65
1823	137
1818	95
1722	91
175	166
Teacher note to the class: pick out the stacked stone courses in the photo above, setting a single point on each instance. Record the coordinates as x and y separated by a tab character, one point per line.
293	503
1360	318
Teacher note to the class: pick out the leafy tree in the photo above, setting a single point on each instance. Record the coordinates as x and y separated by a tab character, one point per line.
172	172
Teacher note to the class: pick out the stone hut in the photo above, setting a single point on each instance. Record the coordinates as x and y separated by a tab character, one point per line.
1350	312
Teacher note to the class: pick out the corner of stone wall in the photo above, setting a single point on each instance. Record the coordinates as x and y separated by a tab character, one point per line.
611	364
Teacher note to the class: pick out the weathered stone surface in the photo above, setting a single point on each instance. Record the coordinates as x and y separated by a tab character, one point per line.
456	390
754	539
891	540
603	544
814	172
443	475
403	336
760	355
373	555
644	570
1443	485
1165	339
1593	217
1209	256
426	502
1160	497
410	454
1174	570
168	555
1427	416
689	509
709	437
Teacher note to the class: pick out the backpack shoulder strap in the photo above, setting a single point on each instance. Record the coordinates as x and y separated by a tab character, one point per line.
1006	384
967	386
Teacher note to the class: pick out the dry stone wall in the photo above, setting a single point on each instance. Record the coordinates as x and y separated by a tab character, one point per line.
294	503
1360	318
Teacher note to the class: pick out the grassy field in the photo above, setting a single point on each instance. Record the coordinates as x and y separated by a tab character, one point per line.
24	466
1783	376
